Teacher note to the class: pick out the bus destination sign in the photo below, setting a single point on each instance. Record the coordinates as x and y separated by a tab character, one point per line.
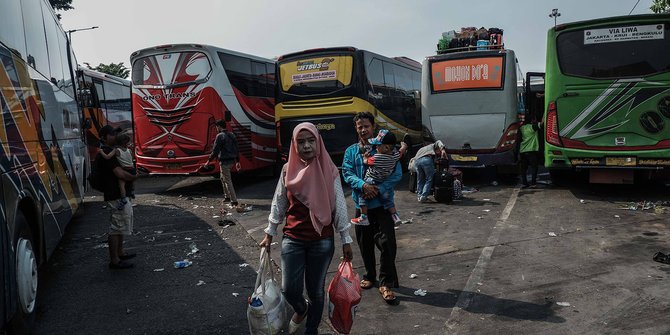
624	34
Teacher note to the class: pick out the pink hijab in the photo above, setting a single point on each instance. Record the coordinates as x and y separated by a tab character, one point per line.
312	184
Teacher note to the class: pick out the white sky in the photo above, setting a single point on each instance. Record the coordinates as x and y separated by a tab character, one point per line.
271	28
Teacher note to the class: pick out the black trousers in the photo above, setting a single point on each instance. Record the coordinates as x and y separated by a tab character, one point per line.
529	159
381	234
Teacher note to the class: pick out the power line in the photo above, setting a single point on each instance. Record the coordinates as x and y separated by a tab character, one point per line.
631	11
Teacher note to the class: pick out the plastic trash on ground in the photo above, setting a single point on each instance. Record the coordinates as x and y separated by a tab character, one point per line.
413	275
194	249
182	264
266	311
552	234
344	295
420	293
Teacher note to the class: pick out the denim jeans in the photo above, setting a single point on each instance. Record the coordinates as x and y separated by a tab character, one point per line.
304	264
425	171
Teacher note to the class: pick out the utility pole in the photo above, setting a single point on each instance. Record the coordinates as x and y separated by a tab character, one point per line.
554	14
69	32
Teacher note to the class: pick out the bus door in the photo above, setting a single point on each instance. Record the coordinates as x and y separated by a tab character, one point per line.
534	95
534	101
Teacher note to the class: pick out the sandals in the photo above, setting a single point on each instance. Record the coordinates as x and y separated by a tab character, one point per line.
388	295
366	284
662	258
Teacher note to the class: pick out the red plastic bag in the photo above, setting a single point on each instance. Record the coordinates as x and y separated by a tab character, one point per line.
344	295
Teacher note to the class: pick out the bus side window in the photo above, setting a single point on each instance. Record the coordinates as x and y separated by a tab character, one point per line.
11	27
260	79
389	76
36	43
238	70
376	74
55	61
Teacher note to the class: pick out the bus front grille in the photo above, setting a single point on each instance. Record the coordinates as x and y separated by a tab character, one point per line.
321	103
169	117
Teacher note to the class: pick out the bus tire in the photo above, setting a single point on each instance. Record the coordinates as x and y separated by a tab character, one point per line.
26	259
559	177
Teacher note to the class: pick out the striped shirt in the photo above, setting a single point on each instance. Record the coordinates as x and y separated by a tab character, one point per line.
380	166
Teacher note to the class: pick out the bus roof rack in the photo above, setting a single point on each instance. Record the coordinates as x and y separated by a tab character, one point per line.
316	50
472	48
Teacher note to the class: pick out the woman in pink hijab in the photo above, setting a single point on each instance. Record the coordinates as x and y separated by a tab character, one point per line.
309	197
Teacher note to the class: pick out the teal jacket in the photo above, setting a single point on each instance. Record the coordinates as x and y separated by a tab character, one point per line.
353	172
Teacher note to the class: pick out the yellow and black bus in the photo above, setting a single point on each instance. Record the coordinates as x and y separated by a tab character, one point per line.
328	86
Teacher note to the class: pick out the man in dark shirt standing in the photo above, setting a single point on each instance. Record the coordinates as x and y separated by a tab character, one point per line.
122	218
227	152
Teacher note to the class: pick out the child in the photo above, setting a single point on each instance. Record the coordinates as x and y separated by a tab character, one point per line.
380	166
125	158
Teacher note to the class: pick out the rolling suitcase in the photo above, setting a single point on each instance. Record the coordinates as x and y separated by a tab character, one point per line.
443	182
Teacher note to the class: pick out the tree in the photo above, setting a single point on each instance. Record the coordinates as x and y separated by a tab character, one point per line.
61	5
660	6
114	69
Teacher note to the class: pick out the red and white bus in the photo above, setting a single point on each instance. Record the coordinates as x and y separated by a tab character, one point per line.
179	91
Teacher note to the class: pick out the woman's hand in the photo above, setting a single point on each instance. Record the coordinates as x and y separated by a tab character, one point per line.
266	242
370	191
347	253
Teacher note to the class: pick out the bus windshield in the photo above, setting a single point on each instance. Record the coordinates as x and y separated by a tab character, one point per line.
615	52
316	75
171	69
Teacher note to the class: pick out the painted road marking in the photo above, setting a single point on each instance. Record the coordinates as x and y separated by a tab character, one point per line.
465	299
253	230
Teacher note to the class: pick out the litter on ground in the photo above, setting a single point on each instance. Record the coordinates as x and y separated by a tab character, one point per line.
659	207
200	282
552	234
243	265
159	269
563	304
413	275
235	294
194	249
420	292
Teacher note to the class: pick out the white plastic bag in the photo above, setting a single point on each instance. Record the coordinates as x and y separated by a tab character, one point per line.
266	311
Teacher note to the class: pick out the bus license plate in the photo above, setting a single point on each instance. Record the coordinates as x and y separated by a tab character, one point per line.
173	166
460	158
620	161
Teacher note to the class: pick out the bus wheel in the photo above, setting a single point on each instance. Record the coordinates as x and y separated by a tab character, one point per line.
26	277
559	177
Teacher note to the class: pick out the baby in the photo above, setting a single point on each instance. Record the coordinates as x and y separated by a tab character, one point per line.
381	166
125	157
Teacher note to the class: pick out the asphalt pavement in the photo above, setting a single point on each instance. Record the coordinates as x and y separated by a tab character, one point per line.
505	260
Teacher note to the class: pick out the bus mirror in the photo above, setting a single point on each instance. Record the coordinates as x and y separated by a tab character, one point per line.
87	124
228	116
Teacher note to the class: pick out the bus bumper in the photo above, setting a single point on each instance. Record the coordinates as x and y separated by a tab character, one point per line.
567	158
464	160
176	165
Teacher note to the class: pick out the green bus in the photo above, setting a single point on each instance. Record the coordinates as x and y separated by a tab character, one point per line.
607	98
